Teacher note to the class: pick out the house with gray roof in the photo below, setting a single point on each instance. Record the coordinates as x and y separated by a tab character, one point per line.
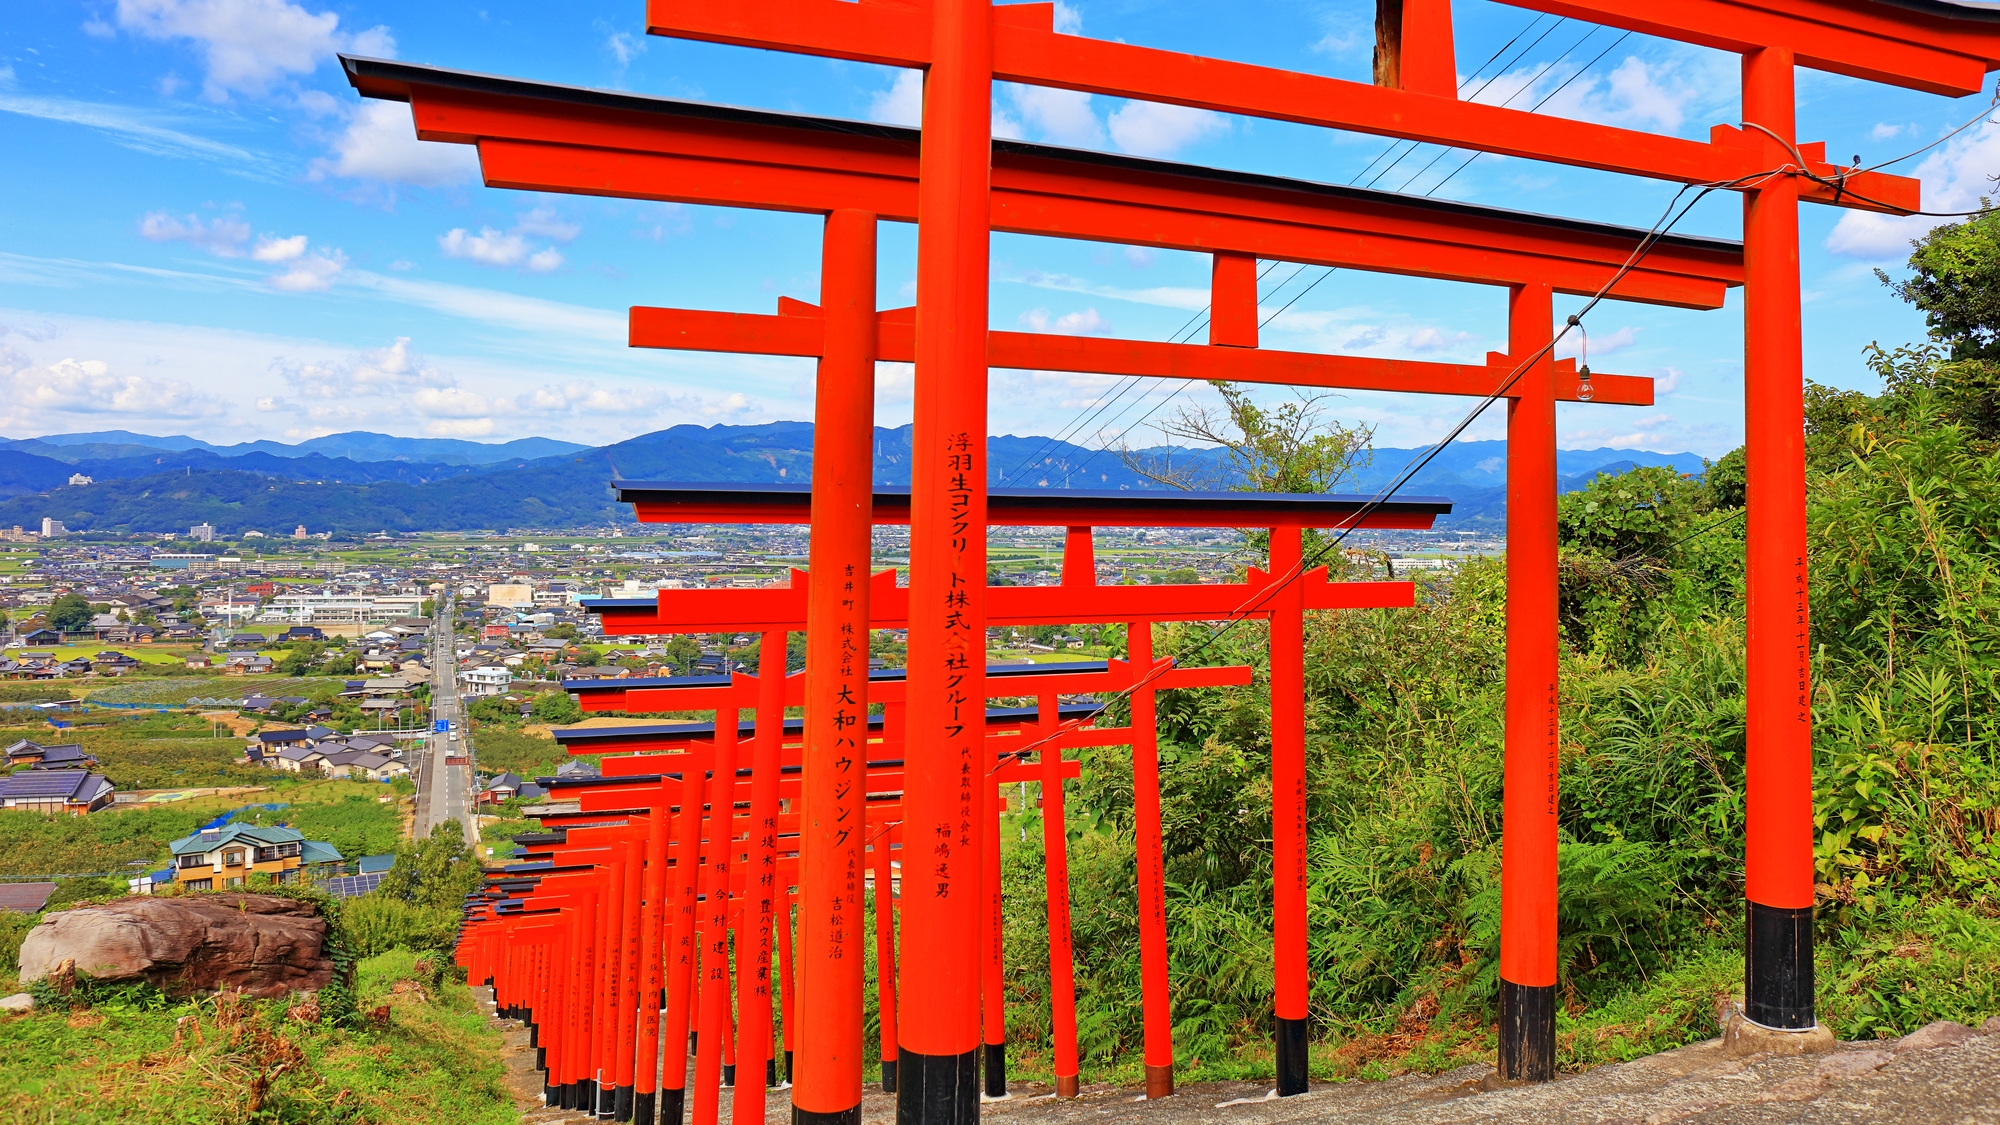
52	792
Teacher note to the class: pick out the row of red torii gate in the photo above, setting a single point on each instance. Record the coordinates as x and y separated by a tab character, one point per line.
614	937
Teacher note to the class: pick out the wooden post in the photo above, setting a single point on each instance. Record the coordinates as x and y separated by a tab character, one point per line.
1528	829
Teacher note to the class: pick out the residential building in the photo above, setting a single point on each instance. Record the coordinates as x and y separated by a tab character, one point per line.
245	663
203	532
25	898
53	792
511	595
486	679
53	528
362	763
299	532
215	858
296	757
26	753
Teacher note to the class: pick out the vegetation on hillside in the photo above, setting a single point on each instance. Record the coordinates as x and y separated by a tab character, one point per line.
1404	744
418	1050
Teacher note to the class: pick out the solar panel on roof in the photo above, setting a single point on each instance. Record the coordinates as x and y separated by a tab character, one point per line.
353	886
31	784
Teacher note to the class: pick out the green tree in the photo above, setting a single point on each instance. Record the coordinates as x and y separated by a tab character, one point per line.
557	708
1955	281
437	871
69	613
1290	447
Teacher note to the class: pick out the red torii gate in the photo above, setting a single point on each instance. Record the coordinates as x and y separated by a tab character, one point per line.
602	1045
1047	728
965	47
589	142
1281	595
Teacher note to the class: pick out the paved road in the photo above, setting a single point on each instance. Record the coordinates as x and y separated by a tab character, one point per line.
444	792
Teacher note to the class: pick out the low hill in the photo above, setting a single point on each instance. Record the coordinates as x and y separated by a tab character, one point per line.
358	445
269	493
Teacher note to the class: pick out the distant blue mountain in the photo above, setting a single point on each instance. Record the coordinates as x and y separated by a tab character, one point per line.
232	487
358	445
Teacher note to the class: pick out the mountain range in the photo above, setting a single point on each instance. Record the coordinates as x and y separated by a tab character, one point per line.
364	482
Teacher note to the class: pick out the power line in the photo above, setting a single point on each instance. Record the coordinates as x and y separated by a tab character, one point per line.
1668	219
1529	85
1393	145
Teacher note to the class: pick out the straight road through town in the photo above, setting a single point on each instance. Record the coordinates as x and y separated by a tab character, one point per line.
444	775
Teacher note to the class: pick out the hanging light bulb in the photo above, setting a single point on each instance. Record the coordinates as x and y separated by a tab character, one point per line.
1584	393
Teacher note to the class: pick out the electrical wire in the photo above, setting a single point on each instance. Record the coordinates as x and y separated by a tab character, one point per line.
1669	217
1976	118
1560	20
1526	86
1550	96
1185	332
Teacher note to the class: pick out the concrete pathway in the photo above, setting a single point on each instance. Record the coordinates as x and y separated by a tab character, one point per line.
1944	1074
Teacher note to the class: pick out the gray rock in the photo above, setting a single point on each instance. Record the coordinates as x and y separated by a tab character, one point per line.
19	1002
1848	1064
261	945
1943	1033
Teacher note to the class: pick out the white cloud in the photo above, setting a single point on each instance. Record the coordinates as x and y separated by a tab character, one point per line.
451	402
1063	117
88	386
139	131
316	103
395	369
902	103
1666	380
312	274
222	236
625	47
249	44
460	427
502	309
1601	343
1633	95
1166	296
380	143
1954	179
545	222
510	248
1069	21
274	249
543	376
1156	129
489	247
1883	131
1082	323
1428	339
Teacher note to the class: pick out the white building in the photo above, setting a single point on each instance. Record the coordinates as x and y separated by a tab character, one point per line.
487	679
78	480
52	528
203	532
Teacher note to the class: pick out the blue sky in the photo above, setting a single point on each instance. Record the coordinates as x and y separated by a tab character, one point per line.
203	231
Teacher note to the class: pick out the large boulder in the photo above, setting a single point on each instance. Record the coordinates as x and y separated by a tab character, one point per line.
261	945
